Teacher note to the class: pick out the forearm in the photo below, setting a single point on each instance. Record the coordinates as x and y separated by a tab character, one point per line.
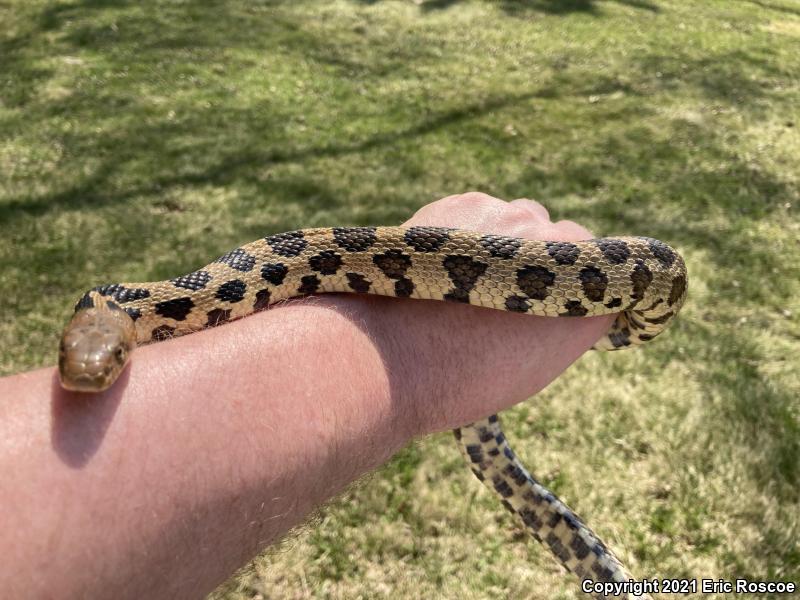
209	449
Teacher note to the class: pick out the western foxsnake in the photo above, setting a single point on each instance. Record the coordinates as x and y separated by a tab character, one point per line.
641	280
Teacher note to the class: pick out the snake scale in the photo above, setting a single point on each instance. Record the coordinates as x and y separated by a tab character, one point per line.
640	279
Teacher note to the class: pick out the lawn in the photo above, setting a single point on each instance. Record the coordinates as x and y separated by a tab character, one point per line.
138	140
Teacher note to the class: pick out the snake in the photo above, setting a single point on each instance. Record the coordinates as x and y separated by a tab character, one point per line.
641	280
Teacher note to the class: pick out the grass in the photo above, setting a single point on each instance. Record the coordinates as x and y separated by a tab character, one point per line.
139	139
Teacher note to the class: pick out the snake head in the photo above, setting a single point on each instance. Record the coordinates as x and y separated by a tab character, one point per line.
95	347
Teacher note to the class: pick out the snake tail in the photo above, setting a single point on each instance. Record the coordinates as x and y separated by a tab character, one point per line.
549	520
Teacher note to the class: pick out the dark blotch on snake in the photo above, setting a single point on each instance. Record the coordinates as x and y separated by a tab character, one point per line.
615	251
572	521
579	547
563	253
354	239
262	299
501	487
393	263
532	497
534	281
474	450
309	284
620	338
594	283
275	273
574	309
602	573
133	313
633	319
517	304
660	320
530	518
403	287
652	306
661	251
677	290
613	303
557	547
193	281
478	474
515	473
426	239
177	308
238	259
501	246
326	262
358	283
287	244
464	272
641	278
86	301
122	294
217	316
232	291
599	548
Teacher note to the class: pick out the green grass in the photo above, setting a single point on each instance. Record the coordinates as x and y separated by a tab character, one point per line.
139	139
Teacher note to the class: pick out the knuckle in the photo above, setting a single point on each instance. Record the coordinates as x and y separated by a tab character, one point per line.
518	212
475	197
533	207
572	229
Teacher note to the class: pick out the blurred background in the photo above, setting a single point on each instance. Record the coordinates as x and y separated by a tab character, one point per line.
138	140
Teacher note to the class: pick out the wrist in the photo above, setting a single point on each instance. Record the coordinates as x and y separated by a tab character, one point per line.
447	365
392	350
359	352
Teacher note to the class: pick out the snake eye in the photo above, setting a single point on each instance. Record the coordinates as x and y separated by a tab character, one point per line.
119	354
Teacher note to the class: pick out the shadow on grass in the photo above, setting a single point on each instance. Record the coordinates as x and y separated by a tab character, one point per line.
18	62
522	8
238	165
776	7
737	77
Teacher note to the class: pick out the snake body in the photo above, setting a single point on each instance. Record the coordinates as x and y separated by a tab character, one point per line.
641	280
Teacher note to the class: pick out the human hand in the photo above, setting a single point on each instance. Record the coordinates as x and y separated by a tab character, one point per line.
467	363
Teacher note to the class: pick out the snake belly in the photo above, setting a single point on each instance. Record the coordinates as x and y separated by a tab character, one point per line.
641	280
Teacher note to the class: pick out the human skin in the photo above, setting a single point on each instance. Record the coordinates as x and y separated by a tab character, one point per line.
213	445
